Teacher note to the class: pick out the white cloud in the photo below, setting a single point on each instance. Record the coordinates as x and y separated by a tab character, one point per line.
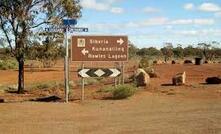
93	4
169	27
189	6
132	25
193	22
154	21
117	10
204	21
151	10
209	7
160	21
187	33
166	21
204	32
182	22
218	14
102	5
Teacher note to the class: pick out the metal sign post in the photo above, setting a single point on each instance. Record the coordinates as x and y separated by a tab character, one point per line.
66	65
67	23
122	65
82	90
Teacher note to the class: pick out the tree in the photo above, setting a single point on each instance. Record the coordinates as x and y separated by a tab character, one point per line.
208	50
132	50
205	49
167	51
47	53
20	19
151	51
178	52
190	51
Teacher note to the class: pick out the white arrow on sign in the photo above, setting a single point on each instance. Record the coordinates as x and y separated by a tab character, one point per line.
116	72
84	51
83	73
120	41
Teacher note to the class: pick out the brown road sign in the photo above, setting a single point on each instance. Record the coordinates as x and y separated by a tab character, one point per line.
99	48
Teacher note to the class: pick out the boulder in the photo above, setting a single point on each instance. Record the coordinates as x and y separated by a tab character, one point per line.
213	80
199	61
151	72
142	78
153	75
155	62
173	62
188	62
2	100
179	79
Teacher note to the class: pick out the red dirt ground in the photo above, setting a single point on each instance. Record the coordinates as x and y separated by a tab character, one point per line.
191	109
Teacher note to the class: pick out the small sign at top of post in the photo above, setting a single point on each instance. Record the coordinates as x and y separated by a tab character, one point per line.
68	22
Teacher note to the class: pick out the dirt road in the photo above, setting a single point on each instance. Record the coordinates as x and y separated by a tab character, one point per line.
191	109
144	113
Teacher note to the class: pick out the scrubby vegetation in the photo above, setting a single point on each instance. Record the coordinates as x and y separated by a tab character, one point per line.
8	64
123	91
88	81
208	51
145	62
47	53
120	91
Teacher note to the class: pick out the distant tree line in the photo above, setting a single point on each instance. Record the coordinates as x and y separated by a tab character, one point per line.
207	51
47	52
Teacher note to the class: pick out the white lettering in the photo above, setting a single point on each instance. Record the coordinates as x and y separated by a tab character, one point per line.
96	56
95	42
117	56
108	49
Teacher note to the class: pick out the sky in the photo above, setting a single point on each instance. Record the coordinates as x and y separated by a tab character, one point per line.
152	23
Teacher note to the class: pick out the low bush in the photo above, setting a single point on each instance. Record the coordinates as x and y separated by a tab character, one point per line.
8	64
88	81
145	62
108	89
123	91
119	92
45	85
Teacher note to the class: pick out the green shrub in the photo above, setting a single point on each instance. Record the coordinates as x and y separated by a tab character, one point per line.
2	88
8	64
145	62
88	81
43	85
106	89
123	91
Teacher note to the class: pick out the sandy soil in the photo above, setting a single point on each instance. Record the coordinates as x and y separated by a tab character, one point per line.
143	113
159	109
